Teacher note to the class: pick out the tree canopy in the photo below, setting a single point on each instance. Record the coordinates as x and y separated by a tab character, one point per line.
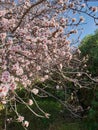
89	48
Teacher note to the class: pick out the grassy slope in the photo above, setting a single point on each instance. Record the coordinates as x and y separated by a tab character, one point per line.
57	121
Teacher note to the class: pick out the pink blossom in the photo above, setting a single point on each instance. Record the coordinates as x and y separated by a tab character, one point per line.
12	86
2	12
3	36
20	118
30	102
83	5
15	66
19	71
42	79
82	19
38	68
25	123
3	101
5	77
46	77
73	19
35	91
94	9
4	88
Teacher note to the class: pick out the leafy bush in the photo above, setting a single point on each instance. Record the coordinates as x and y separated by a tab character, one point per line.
89	46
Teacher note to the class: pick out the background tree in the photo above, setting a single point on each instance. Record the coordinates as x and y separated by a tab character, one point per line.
89	48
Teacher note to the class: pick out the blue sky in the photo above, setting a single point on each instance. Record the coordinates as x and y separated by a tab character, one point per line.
90	27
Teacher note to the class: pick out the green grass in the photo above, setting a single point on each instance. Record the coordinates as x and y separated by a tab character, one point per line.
65	126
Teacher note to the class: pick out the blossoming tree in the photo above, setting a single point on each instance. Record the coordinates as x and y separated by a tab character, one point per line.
35	39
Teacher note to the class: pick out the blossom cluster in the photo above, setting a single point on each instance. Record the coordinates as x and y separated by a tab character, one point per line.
35	39
8	84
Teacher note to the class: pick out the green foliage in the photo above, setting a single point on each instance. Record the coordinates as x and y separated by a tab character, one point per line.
89	46
93	113
65	126
91	122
